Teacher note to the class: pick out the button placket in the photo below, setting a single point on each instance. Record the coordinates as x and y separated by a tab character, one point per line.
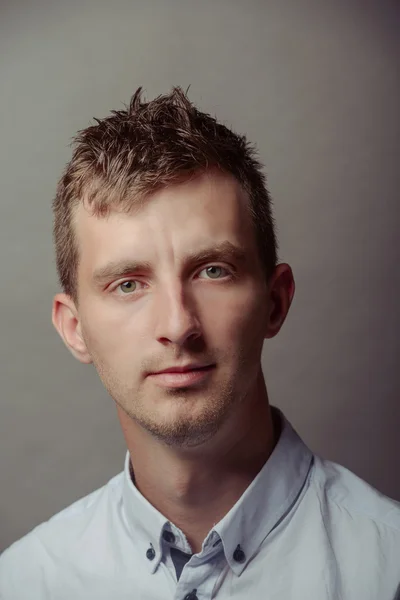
168	536
191	595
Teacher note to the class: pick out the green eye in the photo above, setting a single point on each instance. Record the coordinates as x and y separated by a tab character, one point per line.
128	286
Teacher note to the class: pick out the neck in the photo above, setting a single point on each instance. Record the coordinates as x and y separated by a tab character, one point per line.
196	491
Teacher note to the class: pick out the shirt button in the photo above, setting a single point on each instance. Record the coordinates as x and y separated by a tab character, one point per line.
168	536
150	553
191	595
239	555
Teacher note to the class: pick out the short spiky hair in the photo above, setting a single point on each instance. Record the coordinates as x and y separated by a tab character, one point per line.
128	155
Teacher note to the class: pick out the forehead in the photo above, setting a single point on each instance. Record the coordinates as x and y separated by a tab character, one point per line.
210	208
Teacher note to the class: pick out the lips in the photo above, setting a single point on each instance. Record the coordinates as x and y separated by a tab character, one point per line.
176	377
184	369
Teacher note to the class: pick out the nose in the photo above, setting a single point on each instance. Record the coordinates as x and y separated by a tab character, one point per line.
176	320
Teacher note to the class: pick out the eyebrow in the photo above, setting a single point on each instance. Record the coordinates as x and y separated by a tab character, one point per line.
224	251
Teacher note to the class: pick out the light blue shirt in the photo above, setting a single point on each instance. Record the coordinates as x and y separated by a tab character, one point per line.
305	529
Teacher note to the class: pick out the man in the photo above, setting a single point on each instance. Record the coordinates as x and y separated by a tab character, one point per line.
167	257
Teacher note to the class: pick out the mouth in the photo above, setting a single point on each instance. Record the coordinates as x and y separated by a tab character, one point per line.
181	378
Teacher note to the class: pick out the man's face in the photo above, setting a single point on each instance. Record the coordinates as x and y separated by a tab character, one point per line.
177	281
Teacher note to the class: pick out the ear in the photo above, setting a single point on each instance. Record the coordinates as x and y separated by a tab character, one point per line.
66	320
281	291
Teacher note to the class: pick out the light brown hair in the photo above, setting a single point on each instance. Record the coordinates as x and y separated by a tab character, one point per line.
128	155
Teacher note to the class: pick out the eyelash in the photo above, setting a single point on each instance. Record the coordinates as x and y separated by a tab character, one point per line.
230	275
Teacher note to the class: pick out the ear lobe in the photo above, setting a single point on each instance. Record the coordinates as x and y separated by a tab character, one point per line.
275	318
66	321
281	295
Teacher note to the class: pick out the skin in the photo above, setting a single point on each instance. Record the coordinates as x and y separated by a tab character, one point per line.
194	449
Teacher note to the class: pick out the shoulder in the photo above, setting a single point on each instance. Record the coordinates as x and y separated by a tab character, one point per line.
356	499
31	560
84	507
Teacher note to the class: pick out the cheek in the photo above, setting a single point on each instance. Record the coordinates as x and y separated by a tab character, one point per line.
239	320
113	336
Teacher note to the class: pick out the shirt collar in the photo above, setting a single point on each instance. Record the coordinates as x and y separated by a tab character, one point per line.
269	497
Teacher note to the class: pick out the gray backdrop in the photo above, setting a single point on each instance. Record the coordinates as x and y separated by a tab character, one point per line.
316	85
